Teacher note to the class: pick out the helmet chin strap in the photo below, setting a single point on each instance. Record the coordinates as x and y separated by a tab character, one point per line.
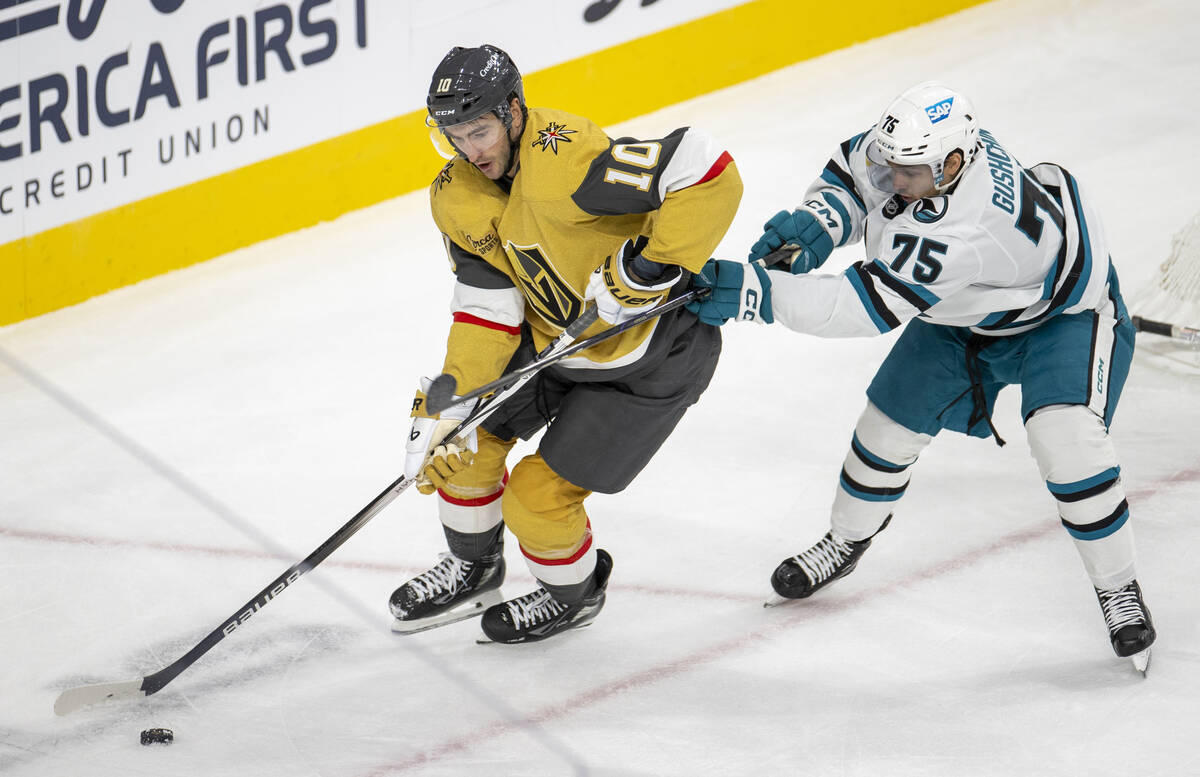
962	167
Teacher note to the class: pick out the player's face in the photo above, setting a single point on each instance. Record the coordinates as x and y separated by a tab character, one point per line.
912	182
484	143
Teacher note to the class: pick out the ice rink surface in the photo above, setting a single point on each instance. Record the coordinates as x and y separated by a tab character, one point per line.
168	449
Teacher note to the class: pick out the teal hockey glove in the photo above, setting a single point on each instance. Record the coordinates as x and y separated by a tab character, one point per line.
741	291
800	228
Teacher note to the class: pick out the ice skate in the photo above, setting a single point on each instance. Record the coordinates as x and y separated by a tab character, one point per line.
802	575
452	591
1130	628
538	615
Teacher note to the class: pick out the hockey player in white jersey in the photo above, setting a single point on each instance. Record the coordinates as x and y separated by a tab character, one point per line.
1004	277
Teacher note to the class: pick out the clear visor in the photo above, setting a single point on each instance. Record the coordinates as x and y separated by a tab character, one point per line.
440	143
475	135
910	180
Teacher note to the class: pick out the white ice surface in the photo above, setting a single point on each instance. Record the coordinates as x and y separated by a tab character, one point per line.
168	449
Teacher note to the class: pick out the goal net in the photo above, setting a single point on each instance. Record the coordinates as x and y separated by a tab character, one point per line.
1173	297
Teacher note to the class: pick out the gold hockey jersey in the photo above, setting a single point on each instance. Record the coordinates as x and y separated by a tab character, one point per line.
525	255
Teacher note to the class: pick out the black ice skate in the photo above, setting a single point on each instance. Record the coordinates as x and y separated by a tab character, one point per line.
1129	626
452	591
801	576
538	615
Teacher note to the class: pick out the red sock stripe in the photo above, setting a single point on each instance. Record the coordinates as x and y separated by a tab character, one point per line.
478	501
721	163
467	318
562	562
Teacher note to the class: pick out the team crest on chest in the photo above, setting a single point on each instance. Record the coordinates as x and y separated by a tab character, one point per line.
930	209
551	296
550	137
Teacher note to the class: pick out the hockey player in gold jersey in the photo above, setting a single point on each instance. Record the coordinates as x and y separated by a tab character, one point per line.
542	214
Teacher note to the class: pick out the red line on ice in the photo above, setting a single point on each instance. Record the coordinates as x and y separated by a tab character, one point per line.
374	566
788	619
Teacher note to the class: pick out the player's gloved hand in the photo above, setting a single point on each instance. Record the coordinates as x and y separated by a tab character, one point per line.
428	459
741	291
800	228
627	283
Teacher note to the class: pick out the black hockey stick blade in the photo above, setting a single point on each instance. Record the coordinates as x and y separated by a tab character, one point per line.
445	393
441	393
1185	333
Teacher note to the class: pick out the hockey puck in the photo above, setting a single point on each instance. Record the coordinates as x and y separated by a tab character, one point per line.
158	736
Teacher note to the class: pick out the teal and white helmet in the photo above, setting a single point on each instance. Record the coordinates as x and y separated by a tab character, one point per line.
922	127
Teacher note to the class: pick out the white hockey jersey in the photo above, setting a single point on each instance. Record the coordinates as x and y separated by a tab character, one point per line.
1004	250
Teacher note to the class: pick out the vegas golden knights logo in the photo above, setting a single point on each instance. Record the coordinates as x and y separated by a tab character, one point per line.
547	292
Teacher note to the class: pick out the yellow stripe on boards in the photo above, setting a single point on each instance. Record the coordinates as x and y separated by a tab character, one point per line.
716	51
68	264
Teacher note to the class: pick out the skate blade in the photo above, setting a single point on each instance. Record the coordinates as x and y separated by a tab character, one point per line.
485	640
1141	661
470	609
778	601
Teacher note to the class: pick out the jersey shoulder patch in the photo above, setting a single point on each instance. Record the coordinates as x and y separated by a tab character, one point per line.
466	206
551	135
444	177
555	150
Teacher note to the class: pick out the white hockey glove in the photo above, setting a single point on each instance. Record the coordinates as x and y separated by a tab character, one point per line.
428	460
618	295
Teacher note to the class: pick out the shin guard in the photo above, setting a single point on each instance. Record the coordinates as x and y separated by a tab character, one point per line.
470	505
874	474
1078	463
545	512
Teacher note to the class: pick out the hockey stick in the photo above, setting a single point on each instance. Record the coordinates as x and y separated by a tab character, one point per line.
84	695
441	392
81	696
1187	334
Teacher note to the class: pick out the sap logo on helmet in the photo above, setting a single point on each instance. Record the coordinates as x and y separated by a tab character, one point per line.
939	111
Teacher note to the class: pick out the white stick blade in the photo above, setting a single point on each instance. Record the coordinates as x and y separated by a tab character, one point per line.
73	698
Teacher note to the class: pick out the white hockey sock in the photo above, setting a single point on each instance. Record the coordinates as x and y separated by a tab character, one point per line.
566	579
1078	462
471	515
874	474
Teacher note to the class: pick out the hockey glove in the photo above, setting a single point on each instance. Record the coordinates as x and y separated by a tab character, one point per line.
428	460
619	289
800	228
741	291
